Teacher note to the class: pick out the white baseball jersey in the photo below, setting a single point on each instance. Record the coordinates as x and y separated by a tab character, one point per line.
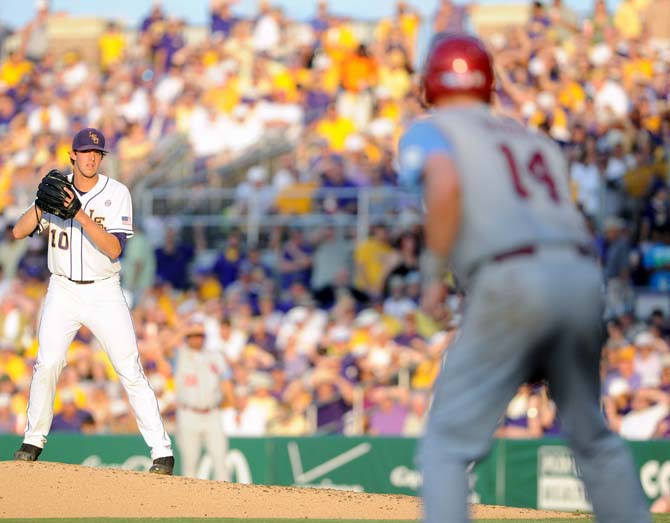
514	183
85	289
71	253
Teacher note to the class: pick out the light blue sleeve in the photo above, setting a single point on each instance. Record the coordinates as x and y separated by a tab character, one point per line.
419	141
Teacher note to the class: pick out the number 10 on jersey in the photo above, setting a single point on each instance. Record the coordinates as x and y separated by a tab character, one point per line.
63	240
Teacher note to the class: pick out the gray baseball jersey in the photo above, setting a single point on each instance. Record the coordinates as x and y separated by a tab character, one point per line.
514	185
534	304
198	376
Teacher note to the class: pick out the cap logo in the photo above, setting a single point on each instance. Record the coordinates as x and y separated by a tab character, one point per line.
94	137
466	80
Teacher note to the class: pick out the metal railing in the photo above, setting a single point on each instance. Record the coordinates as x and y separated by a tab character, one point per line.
170	161
265	152
223	209
173	168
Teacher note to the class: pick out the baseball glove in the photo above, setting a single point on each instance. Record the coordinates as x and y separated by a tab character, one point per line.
51	196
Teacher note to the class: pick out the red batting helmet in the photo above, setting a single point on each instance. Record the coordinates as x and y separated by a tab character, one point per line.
457	64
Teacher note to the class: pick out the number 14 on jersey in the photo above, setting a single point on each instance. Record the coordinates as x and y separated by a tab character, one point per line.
537	169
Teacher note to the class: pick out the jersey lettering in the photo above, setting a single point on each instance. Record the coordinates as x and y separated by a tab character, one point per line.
538	170
100	220
63	240
514	171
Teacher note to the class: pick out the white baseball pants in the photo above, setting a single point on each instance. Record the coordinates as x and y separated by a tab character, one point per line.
101	307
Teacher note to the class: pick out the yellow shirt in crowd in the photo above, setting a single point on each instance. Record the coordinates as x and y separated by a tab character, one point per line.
14	367
638	68
572	96
369	257
408	23
12	72
339	41
112	47
396	81
283	81
223	98
295	198
628	19
335	132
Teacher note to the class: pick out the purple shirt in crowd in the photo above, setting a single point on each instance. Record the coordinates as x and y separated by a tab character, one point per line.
218	24
330	416
389	423
62	424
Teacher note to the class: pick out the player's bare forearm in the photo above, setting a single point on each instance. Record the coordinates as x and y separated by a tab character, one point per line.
106	242
27	223
443	204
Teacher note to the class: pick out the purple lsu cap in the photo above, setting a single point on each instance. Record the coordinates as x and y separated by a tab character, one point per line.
89	139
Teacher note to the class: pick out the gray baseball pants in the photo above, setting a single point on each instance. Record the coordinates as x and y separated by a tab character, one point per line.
543	309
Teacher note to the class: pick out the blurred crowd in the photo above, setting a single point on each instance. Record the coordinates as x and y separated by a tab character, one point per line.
323	330
223	90
318	333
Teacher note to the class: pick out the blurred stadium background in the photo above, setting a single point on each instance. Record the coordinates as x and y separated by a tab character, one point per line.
260	149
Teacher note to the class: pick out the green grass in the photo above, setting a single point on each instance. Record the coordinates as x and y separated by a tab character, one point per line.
658	518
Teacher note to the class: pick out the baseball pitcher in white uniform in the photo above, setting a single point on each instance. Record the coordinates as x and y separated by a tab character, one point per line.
86	236
498	209
202	382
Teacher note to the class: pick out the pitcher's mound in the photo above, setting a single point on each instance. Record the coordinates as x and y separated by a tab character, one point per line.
52	490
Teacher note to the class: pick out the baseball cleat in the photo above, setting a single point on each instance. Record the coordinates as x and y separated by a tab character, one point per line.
163	466
27	452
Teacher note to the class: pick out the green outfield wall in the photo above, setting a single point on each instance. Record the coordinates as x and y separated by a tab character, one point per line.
524	473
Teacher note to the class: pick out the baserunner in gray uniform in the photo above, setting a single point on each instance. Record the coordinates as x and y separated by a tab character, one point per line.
498	209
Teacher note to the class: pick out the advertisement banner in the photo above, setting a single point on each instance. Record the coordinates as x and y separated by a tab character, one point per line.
358	464
523	473
248	459
542	473
381	465
559	486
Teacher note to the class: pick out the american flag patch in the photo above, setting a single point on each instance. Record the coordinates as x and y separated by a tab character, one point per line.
125	220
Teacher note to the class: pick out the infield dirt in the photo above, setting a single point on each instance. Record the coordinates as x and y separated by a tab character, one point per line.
60	490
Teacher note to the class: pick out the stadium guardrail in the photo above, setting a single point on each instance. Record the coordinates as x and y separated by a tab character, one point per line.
224	208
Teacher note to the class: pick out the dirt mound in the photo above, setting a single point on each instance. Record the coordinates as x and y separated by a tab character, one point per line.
59	490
